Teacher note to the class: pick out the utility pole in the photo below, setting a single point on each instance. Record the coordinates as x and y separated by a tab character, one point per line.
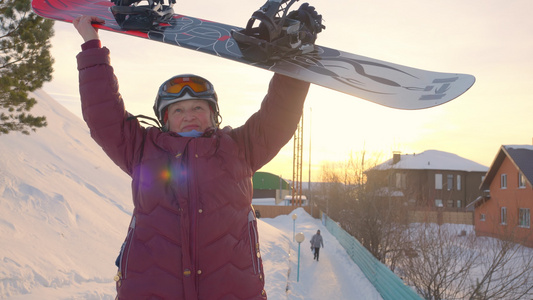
309	179
297	164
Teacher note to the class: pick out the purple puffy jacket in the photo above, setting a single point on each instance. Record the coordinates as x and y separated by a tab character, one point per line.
193	233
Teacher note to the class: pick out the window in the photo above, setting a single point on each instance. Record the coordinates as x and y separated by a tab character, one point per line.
503	215
400	181
482	217
524	217
521	180
459	204
438	203
458	182
449	182
503	181
450	203
438	181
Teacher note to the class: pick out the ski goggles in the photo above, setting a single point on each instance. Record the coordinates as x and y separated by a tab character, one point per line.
195	86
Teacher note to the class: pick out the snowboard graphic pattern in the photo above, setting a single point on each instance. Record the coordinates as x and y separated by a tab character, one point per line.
377	81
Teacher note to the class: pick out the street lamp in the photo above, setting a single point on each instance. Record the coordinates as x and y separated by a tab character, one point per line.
294	217
299	238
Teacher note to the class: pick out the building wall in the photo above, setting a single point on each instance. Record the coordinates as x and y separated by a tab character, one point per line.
265	194
420	188
473	181
512	198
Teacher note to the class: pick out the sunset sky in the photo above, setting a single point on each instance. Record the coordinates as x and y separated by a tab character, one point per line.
492	40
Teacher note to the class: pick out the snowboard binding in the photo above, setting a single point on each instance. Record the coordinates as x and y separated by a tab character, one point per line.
132	16
279	34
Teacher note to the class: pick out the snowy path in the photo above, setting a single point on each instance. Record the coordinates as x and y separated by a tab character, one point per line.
335	276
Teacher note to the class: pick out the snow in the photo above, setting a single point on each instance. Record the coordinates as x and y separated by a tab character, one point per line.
65	208
264	201
434	160
525	147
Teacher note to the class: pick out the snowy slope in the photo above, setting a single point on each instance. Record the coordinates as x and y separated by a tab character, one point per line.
65	208
63	205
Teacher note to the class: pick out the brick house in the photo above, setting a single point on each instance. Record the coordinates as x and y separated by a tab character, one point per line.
430	180
504	210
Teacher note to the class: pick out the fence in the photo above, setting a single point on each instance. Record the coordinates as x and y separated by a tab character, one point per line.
389	286
441	217
272	211
415	216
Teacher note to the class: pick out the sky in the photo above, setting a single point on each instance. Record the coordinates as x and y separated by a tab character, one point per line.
489	39
65	209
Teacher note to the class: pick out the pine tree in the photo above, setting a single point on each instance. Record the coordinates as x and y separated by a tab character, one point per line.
25	64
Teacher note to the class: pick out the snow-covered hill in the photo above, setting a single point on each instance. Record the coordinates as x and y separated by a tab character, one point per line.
64	206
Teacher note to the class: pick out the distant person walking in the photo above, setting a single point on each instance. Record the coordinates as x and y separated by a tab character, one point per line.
316	241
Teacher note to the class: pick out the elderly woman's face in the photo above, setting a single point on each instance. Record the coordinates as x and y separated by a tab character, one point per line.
188	115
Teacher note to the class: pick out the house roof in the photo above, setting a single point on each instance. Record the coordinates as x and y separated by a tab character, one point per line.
520	155
269	181
433	160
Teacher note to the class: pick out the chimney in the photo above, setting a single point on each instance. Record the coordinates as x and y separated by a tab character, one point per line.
396	156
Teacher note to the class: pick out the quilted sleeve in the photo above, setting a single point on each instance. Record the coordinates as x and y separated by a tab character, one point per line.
103	109
270	128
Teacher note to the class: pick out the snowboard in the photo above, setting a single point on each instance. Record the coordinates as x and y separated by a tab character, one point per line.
381	82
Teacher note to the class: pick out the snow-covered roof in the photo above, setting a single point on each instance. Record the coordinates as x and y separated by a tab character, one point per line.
264	201
525	147
433	160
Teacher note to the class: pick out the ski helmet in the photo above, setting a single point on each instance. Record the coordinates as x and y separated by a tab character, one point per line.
185	87
132	16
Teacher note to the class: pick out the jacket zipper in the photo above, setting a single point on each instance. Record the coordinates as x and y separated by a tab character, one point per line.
126	250
254	244
193	200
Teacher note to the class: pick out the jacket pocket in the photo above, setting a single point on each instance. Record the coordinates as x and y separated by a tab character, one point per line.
254	243
122	259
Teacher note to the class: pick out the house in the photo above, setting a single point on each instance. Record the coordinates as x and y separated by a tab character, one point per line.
504	210
272	196
270	186
290	200
429	180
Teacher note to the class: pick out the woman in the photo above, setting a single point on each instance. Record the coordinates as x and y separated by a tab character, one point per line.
316	241
193	233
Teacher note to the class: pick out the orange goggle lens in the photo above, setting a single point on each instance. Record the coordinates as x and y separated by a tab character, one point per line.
197	85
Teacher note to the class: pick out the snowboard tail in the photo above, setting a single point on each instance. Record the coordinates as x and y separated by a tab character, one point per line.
381	82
